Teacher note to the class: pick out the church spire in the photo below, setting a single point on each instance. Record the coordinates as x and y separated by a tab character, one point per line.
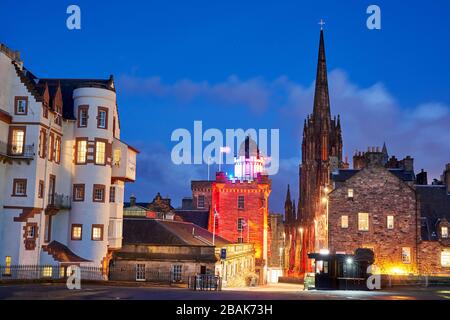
321	97
288	207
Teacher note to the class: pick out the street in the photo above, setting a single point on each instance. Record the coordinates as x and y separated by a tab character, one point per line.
271	292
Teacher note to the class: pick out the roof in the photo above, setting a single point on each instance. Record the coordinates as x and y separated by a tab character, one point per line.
197	217
345	174
434	203
67	88
164	232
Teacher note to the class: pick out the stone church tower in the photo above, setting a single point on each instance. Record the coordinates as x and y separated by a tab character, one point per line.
321	155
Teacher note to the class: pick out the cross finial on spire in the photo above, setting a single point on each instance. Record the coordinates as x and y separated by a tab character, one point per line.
321	23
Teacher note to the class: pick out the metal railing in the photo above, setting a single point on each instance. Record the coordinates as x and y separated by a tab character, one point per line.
15	151
59	201
205	282
47	272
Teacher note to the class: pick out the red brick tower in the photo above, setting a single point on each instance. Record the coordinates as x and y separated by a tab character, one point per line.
239	210
321	154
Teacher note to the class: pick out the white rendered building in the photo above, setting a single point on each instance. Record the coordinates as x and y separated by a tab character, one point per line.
62	168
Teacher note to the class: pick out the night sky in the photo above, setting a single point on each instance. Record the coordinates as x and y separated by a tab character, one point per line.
250	64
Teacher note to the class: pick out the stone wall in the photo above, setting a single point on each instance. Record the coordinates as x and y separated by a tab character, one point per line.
378	193
430	258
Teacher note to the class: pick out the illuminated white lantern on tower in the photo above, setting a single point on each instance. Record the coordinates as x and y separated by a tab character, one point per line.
249	162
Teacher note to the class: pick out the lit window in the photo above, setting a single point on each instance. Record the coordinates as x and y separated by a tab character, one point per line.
18	141
102	118
406	255
47	272
112	194
344	222
81	151
390	222
58	149
444	232
21	105
99	193
51	147
78	192
350	193
77	232
42	142
201	201
100	148
7	265
241	202
97	233
363	221
19	187
117	157
445	258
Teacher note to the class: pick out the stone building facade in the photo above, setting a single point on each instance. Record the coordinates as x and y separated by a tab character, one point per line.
63	168
375	209
164	250
386	208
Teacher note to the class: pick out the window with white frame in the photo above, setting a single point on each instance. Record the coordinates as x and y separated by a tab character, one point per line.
406	255
363	221
116	157
390	222
344	222
102	118
445	258
177	272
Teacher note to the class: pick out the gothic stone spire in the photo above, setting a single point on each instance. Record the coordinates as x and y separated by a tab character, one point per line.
321	113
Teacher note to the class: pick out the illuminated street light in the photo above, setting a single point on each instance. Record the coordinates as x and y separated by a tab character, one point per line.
349	260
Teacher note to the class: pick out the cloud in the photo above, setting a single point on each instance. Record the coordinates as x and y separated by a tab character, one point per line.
252	93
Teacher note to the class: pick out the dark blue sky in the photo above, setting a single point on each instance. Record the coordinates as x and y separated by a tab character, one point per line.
241	64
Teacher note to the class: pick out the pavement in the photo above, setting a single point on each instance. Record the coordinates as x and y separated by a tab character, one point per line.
57	291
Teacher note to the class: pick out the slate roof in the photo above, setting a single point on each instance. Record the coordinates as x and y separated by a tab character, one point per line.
434	202
344	174
164	232
67	88
197	217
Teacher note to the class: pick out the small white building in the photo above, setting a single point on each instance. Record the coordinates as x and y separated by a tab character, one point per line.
62	168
